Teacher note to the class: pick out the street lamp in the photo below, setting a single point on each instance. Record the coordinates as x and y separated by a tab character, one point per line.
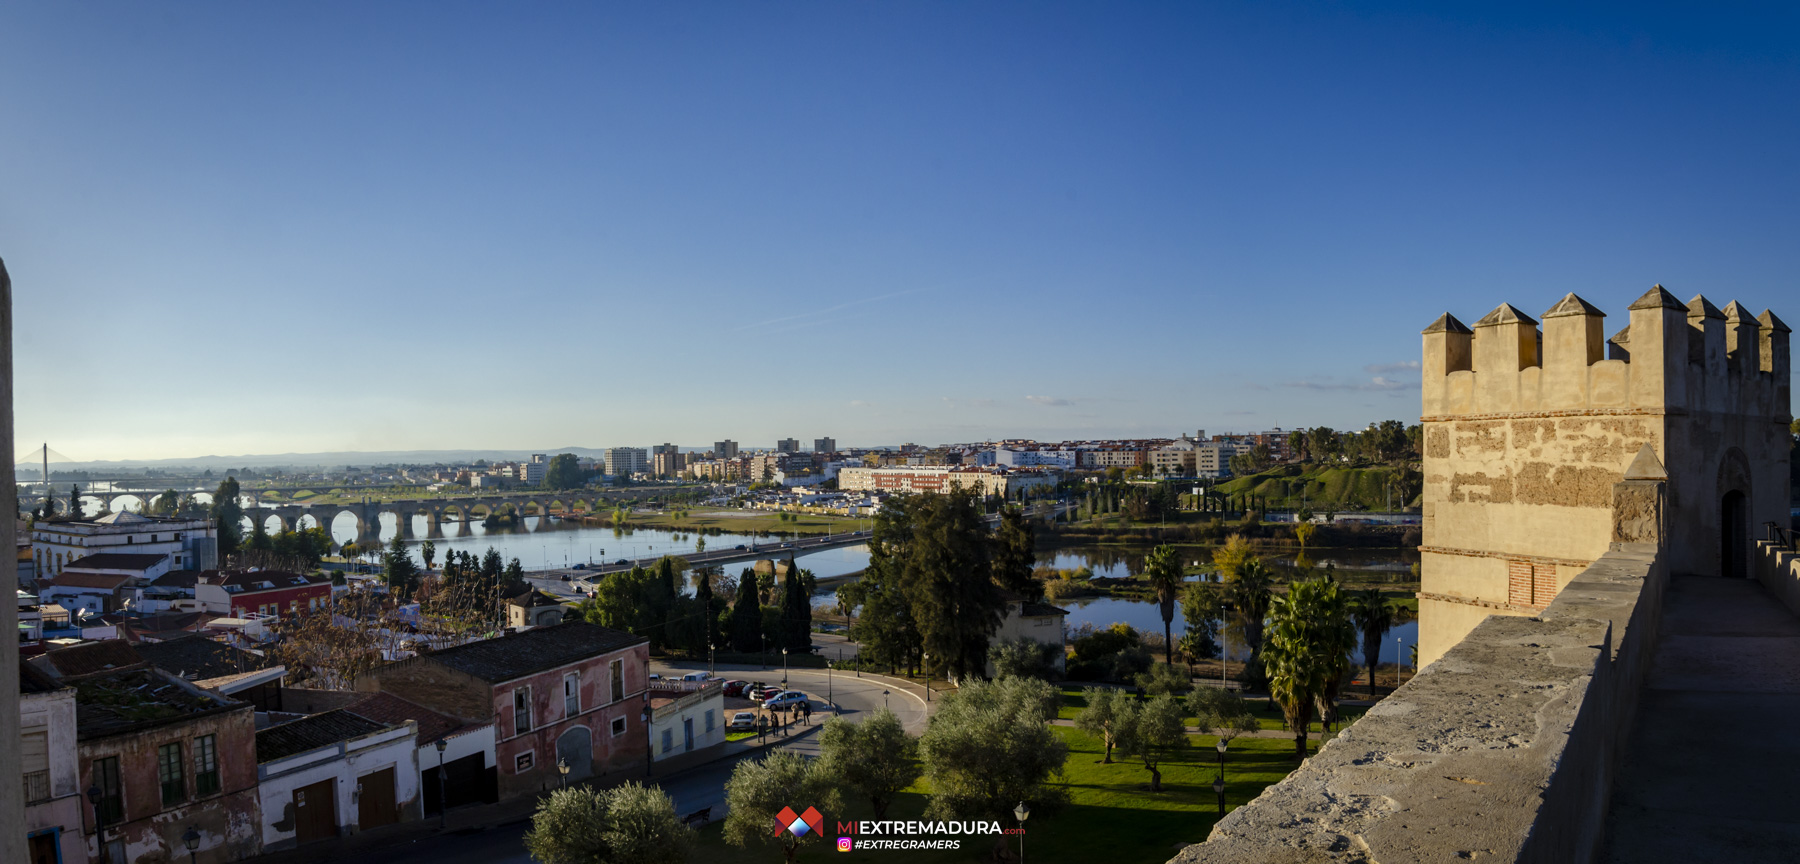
191	839
1021	813
884	700
1221	744
927	677
828	694
94	795
1219	789
711	656
784	677
562	768
443	802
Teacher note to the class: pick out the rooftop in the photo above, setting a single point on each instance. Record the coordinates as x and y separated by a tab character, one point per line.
311	733
117	561
541	648
236	581
393	710
103	581
92	657
119	701
195	657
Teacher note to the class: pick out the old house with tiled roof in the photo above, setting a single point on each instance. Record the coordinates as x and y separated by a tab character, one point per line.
166	756
572	692
334	774
461	751
274	593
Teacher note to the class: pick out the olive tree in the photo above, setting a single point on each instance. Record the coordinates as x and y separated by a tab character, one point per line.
759	789
1100	717
628	824
874	759
990	747
1150	731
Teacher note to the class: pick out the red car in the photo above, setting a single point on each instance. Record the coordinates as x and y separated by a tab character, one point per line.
735	688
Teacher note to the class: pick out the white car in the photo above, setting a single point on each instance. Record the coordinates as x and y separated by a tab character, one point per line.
742	721
696	676
785	699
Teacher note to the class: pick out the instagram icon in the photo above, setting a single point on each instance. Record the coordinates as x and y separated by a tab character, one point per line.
845	844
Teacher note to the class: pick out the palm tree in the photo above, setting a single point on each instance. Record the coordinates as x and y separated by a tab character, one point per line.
1249	595
1308	638
1163	569
1374	616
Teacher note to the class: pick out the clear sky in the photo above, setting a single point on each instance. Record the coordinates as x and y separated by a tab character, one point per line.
238	229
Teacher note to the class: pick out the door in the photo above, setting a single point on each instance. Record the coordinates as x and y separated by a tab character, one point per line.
1734	536
687	733
43	848
315	812
576	749
375	804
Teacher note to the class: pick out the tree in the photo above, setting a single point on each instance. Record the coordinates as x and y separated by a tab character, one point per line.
949	577
228	515
1024	658
874	759
1230	556
1100	716
989	747
1150	731
563	472
1304	654
259	537
399	571
618	601
1015	554
703	599
428	551
1303	530
746	614
628	824
1373	615
1165	680
1250	596
1200	601
796	609
1163	569
1221	712
760	788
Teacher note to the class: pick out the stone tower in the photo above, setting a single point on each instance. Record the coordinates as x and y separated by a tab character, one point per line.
1527	428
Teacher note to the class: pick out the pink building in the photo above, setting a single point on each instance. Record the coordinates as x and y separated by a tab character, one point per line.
573	692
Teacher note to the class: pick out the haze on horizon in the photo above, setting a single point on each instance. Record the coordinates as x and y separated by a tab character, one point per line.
249	230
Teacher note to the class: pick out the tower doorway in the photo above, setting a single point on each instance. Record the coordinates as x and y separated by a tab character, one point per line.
1734	536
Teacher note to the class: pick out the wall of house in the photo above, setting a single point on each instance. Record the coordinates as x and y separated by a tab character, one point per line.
227	821
610	753
422	681
1042	629
671	717
53	715
344	762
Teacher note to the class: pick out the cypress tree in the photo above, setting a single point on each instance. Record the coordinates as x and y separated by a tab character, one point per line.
746	615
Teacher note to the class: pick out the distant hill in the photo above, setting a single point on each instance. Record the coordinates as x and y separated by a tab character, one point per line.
328	459
1328	487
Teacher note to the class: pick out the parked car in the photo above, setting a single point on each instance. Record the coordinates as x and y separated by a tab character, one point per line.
581	566
739	547
622	563
696	676
742	721
655	677
784	700
765	692
735	688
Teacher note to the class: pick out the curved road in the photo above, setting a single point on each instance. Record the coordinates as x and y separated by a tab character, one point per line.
693	789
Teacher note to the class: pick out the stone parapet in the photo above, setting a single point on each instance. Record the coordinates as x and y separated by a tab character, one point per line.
1778	569
1502	750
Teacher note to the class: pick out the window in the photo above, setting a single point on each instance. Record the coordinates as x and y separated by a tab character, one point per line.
111	808
206	766
618	726
668	740
168	771
521	710
523	762
618	680
571	694
709	720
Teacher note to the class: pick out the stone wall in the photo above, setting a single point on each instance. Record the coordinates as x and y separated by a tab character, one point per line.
1778	568
1503	749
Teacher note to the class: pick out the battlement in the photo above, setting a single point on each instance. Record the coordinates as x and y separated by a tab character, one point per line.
1670	358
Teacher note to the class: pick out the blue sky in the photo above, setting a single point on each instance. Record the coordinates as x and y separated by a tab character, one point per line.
239	229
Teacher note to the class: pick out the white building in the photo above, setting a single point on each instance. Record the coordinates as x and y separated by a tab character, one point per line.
1029	619
683	721
52	774
532	473
626	461
191	544
339	773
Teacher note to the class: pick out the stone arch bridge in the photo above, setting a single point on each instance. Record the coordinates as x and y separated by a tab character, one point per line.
437	511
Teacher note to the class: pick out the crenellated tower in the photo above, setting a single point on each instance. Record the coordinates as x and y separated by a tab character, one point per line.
1527	426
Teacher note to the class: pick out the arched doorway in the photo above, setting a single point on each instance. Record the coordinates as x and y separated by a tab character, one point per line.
1734	536
576	747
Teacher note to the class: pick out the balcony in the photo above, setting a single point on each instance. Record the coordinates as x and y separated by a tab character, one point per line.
37	786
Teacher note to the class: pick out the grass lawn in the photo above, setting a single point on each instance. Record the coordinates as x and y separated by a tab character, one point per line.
1267	716
1113	816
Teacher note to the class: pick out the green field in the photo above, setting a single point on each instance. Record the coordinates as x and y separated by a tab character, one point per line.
1267	716
1113	816
1324	487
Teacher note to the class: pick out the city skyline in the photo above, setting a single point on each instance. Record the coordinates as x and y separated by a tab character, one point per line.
457	227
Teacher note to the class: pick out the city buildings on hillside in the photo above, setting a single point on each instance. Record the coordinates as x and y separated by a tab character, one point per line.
190	544
930	478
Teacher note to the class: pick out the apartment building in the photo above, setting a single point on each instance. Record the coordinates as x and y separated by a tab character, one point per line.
531	472
190	544
824	445
668	464
626	461
929	478
726	449
788	445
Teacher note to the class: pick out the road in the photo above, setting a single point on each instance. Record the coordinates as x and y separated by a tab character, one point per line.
694	789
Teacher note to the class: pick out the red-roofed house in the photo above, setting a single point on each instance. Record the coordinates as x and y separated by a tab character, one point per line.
276	593
96	593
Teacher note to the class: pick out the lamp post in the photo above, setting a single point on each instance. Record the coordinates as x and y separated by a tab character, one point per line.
1219	788
1397	662
191	839
711	655
562	770
828	693
94	795
649	746
784	677
1021	813
443	802
765	649
1224	642
1221	745
884	700
927	671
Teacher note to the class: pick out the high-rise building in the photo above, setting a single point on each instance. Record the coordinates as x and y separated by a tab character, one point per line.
726	449
532	473
659	449
788	445
626	461
667	464
824	445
